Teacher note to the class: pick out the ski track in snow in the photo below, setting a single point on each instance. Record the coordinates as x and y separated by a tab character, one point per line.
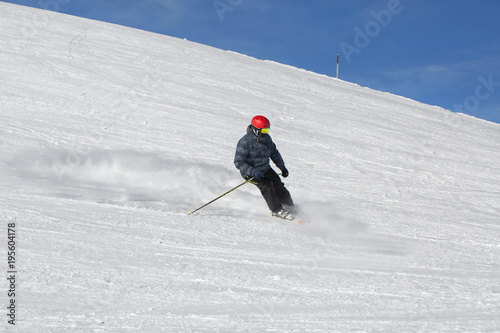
110	136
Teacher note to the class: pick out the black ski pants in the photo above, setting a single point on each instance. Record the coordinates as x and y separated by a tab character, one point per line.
273	191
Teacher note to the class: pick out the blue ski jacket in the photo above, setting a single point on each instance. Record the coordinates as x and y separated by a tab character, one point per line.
253	153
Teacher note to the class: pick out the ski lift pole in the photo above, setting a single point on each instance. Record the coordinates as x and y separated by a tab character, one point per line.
337	66
220	196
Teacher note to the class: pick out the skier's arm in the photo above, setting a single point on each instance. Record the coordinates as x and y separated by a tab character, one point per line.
276	158
240	158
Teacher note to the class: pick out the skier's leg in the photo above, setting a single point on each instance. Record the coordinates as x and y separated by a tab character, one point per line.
281	191
266	189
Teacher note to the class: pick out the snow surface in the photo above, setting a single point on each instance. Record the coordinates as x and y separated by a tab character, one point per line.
110	136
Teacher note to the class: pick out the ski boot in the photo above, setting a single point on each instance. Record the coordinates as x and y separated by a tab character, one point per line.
283	214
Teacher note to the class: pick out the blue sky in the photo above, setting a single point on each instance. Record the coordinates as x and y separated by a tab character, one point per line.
439	52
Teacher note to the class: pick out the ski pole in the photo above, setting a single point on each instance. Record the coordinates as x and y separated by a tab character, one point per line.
220	196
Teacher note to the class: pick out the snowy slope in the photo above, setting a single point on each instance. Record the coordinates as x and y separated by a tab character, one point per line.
110	135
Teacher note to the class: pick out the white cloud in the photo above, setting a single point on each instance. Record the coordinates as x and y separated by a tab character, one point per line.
432	77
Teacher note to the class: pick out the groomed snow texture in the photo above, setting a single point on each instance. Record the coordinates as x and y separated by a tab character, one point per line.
110	136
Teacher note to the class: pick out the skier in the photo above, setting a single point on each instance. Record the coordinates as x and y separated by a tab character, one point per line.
252	159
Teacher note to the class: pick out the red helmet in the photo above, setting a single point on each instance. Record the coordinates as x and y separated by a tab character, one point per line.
261	122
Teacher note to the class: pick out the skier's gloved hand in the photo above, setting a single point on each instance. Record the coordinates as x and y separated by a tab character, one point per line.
258	174
284	172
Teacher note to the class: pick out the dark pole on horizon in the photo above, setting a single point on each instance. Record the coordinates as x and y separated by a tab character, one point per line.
337	66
